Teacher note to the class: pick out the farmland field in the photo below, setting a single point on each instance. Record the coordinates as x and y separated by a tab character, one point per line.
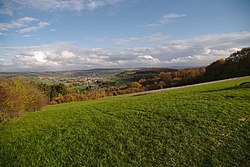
207	125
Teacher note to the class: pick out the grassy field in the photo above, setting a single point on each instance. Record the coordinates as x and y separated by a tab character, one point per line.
206	125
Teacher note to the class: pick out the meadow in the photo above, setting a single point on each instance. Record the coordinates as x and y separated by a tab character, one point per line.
207	125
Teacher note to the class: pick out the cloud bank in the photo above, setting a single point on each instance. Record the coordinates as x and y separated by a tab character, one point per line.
198	51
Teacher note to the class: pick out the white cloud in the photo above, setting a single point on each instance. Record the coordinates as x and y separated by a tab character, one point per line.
169	17
47	4
43	24
26	35
166	19
29	29
11	25
152	38
34	28
92	5
198	51
147	59
71	5
5	63
27	22
67	55
27	19
40	57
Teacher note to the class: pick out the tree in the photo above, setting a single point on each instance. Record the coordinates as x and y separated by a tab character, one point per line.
18	96
162	84
141	81
135	85
166	77
215	70
238	63
59	99
61	88
153	86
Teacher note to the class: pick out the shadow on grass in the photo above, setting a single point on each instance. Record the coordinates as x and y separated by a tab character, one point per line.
241	86
140	94
218	90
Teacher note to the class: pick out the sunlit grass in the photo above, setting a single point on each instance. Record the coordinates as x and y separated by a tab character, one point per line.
199	126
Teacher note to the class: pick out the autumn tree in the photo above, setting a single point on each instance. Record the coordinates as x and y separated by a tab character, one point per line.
135	85
162	84
215	70
166	77
17	97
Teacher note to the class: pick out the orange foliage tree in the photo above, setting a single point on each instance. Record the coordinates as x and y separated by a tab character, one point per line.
17	97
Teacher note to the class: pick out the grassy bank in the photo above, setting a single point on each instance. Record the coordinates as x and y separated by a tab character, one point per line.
205	125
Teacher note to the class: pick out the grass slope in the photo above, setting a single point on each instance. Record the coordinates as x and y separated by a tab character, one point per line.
199	126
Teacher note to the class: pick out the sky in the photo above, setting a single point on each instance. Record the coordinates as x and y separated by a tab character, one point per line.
56	35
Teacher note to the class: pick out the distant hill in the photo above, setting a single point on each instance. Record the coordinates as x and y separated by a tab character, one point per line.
57	76
144	73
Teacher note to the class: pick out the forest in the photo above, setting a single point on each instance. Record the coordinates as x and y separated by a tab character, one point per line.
19	96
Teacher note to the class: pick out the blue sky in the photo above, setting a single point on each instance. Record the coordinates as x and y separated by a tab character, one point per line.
41	35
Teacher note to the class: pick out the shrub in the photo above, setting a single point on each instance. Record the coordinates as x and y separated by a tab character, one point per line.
18	96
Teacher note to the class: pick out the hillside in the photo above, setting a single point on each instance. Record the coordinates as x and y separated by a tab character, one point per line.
63	76
206	125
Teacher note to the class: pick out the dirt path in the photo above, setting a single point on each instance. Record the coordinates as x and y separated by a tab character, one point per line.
179	87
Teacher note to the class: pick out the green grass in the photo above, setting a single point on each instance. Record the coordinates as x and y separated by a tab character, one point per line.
199	126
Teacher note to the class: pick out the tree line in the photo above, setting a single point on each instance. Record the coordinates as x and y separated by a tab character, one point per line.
236	65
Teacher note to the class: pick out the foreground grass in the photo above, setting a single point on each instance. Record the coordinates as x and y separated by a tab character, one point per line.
199	126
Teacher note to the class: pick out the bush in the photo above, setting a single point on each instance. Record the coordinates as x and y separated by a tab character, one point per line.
18	96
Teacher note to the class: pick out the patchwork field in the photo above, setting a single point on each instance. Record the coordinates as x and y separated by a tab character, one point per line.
207	125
